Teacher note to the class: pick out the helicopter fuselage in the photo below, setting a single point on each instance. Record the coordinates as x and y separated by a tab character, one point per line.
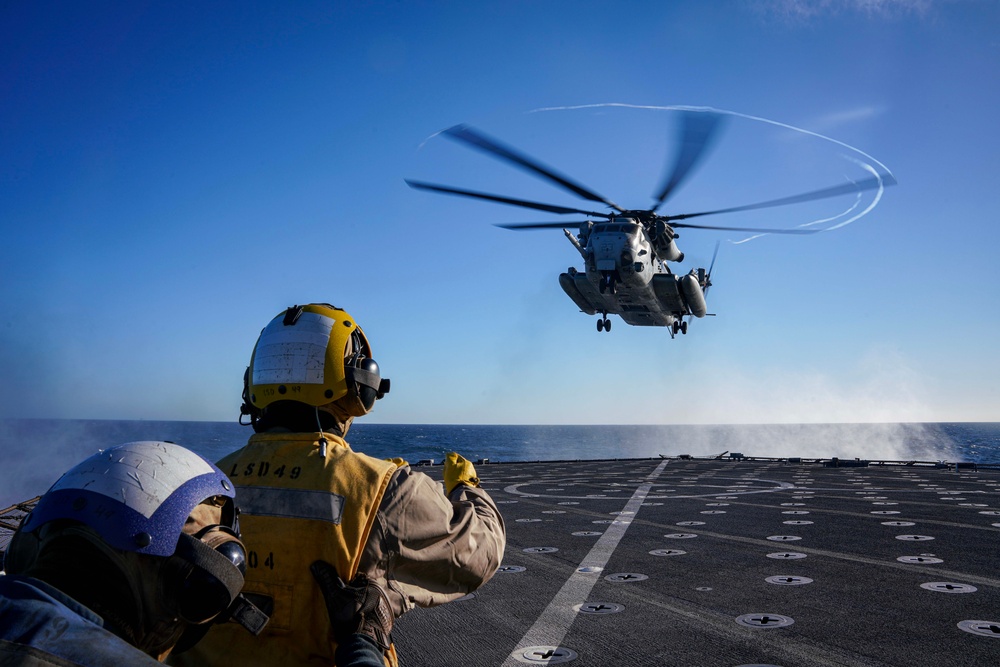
618	254
625	274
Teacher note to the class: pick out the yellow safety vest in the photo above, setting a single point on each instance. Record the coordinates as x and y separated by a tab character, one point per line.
296	508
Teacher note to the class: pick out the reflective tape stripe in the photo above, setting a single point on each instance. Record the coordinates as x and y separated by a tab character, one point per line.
292	354
291	503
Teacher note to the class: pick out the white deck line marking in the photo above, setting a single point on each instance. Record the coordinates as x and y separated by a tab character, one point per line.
552	625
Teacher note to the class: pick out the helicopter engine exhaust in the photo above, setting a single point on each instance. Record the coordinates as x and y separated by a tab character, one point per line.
663	243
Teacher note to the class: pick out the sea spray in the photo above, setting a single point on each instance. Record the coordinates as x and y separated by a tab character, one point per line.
36	452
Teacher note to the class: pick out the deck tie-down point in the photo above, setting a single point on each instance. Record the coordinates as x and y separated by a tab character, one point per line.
764	620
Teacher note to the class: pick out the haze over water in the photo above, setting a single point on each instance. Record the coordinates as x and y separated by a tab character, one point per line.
36	452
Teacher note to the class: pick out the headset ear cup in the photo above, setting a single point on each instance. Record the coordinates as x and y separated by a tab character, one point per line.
365	384
368	394
201	597
367	398
204	579
248	408
363	387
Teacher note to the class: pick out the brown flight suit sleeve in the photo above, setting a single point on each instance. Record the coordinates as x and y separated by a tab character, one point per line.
429	548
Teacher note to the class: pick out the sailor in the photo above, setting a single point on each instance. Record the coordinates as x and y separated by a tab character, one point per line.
318	516
131	554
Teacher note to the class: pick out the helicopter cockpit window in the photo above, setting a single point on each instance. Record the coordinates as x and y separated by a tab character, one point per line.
630	229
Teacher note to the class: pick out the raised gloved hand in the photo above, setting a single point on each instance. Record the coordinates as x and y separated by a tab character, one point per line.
458	470
361	607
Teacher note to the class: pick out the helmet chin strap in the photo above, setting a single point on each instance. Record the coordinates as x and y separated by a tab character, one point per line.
322	441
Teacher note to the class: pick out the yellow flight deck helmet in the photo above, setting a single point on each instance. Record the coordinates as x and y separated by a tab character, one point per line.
314	354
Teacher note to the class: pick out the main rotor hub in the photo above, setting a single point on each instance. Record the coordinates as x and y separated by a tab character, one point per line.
641	217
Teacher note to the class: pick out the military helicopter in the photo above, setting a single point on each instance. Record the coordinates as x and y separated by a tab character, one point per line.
626	251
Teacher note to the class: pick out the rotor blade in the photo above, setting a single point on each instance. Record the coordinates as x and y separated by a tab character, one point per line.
708	274
471	137
543	225
696	133
715	253
551	208
758	230
568	223
836	190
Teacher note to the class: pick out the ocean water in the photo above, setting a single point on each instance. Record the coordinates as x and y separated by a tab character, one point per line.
35	452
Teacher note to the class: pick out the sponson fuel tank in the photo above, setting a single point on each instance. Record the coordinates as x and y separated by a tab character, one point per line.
693	294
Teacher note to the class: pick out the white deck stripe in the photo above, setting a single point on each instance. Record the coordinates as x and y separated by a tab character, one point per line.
554	622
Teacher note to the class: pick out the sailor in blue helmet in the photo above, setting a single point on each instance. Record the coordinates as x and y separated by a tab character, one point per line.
131	554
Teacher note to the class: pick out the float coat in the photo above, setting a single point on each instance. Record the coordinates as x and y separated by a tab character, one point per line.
358	513
41	625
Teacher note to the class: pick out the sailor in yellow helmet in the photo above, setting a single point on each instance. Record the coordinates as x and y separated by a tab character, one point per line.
326	526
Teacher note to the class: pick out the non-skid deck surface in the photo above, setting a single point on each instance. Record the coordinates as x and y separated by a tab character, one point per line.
722	563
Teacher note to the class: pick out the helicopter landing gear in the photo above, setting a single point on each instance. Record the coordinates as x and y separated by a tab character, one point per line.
604	324
679	327
684	328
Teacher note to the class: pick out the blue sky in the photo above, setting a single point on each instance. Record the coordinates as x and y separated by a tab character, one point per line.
174	175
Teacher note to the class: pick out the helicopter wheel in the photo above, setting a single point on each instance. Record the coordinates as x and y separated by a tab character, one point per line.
600	325
684	327
607	324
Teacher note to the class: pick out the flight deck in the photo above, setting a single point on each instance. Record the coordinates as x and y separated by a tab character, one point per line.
729	562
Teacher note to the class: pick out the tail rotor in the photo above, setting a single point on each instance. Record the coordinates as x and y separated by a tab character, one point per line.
707	281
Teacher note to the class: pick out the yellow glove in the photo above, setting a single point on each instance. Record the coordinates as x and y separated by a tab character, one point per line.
398	461
458	470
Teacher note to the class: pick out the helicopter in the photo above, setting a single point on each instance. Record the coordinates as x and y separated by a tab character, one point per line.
626	251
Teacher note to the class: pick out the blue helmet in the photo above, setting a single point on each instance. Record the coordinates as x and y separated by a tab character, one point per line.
136	496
